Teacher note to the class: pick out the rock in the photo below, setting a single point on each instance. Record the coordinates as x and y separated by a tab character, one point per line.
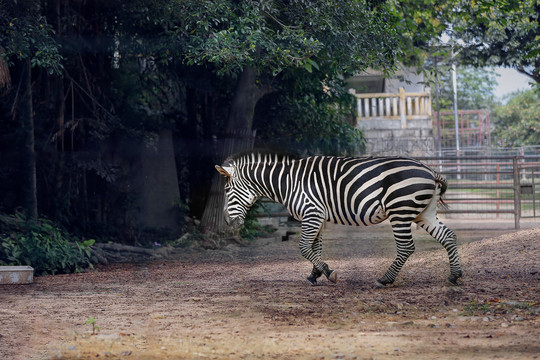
407	323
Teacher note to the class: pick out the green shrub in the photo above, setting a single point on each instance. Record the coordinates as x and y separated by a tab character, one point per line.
252	228
43	246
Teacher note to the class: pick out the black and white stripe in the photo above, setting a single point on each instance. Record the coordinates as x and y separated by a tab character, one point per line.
344	190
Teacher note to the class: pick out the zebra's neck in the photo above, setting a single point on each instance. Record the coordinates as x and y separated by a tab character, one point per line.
268	173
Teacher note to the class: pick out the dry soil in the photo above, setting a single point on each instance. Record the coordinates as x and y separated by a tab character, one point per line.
253	302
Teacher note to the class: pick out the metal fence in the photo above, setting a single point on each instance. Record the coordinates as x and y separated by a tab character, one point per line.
491	186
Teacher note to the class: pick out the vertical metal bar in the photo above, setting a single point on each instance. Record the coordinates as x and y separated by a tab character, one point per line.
517	204
533	192
498	190
454	83
437	106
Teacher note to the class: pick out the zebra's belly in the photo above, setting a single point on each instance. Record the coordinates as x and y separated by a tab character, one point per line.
362	217
379	215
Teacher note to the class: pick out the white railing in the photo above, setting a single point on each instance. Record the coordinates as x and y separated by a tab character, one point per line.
403	106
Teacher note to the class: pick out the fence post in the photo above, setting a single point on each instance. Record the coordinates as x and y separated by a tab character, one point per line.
517	205
402	109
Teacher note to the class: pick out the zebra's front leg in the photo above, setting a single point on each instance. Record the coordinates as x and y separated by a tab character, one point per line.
311	227
317	249
405	247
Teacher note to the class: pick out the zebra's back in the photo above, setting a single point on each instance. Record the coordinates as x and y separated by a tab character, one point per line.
365	191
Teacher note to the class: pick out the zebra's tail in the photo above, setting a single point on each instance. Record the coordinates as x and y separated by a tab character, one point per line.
443	183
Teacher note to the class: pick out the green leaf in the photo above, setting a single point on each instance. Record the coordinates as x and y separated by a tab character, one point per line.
307	66
314	64
89	242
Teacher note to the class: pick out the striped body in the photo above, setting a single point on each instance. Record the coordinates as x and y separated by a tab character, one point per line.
343	190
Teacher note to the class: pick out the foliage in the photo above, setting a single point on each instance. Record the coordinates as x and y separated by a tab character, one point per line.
309	114
518	122
252	228
27	35
274	35
43	246
475	87
504	33
92	321
419	24
483	33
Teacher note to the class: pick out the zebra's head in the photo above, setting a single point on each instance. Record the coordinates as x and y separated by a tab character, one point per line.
239	193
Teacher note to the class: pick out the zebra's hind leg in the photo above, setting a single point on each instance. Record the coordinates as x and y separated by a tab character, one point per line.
447	238
317	250
315	274
311	227
405	247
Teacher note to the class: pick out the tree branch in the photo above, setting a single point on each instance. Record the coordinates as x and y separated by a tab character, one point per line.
280	23
535	75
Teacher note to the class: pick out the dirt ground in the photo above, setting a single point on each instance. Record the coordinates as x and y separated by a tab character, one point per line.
253	302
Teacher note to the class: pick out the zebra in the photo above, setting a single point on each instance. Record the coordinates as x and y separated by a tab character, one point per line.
357	191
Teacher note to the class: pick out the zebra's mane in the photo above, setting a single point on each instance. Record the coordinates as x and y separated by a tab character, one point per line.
267	155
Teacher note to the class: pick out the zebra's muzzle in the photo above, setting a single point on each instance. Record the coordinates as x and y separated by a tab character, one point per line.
235	223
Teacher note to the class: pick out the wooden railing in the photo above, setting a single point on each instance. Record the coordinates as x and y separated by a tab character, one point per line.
403	106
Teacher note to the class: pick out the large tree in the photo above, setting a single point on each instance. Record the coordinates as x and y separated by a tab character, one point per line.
256	42
27	42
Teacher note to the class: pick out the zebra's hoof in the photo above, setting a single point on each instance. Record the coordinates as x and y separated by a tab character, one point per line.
453	280
333	276
378	285
312	279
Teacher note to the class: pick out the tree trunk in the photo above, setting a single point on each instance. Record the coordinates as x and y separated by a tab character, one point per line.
156	181
238	137
5	78
28	166
212	222
245	99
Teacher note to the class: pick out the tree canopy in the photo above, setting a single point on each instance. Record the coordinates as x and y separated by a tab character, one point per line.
274	35
518	122
504	33
483	33
109	77
28	35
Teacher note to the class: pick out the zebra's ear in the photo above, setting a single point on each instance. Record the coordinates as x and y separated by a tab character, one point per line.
227	171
